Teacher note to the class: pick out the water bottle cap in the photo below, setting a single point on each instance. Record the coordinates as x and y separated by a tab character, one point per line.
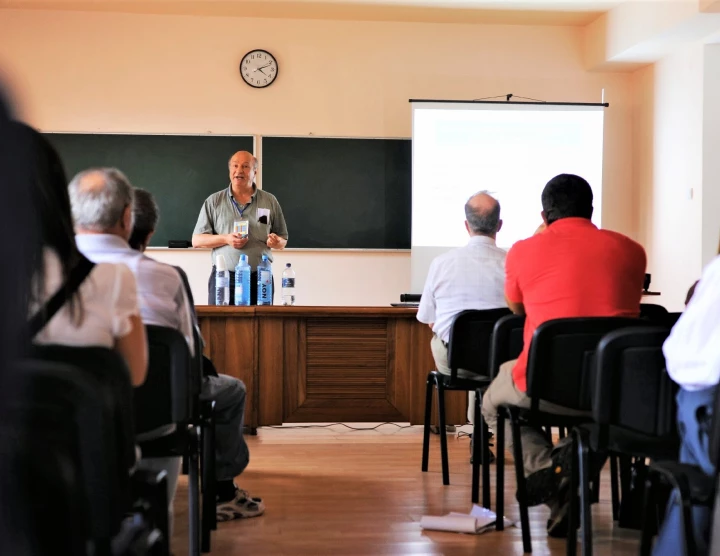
243	257
264	257
221	263
287	265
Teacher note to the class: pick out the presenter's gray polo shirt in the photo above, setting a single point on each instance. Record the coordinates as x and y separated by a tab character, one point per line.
219	212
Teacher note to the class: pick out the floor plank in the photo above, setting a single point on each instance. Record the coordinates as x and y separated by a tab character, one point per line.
333	491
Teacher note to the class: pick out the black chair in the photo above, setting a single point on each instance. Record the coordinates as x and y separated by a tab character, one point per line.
507	343
656	314
67	458
671	319
633	412
559	371
695	487
145	492
170	396
468	349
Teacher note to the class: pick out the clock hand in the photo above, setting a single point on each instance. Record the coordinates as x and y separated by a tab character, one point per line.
261	71
266	65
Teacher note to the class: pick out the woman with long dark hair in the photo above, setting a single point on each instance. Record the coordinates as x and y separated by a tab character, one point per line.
103	310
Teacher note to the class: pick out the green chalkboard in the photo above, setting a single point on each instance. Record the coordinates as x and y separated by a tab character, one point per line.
181	171
341	193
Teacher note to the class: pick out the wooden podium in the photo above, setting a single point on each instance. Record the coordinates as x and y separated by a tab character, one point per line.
326	364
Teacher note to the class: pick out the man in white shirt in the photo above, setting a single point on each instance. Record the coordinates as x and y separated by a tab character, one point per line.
102	207
470	277
692	358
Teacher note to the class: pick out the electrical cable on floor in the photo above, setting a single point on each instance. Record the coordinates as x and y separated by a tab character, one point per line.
342	425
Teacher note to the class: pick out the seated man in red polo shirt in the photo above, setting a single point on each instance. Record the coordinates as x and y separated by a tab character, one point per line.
571	269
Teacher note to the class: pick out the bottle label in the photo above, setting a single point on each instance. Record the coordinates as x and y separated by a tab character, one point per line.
265	277
288	282
222	281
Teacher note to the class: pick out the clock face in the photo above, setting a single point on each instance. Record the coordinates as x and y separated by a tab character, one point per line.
259	68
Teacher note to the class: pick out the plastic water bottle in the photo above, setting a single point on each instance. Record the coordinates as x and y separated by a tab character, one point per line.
222	282
264	285
288	285
242	282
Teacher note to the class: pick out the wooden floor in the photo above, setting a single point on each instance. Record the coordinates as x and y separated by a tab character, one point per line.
338	492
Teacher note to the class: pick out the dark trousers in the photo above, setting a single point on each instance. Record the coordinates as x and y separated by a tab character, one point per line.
231	450
694	449
253	288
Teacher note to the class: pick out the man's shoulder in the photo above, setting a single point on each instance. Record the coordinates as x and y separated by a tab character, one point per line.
152	269
266	197
620	239
214	199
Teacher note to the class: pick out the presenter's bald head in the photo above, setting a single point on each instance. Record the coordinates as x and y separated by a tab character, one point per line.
242	167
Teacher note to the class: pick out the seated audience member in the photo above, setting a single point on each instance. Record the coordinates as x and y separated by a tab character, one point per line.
470	277
103	311
692	357
228	393
572	269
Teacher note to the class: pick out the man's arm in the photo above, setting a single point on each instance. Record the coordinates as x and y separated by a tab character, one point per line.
278	237
516	307
274	241
212	240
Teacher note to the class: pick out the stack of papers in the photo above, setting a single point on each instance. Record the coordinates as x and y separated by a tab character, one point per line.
476	522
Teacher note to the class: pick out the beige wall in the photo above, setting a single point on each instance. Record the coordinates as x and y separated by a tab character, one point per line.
669	170
178	74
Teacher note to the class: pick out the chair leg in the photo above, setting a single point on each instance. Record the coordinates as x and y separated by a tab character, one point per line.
193	496
614	487
478	440
428	416
648	514
209	516
443	434
485	463
520	478
571	545
584	478
688	528
500	471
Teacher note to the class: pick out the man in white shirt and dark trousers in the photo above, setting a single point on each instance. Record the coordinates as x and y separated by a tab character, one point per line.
102	202
692	358
470	277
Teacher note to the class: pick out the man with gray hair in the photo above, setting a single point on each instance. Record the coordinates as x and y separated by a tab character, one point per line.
102	207
470	277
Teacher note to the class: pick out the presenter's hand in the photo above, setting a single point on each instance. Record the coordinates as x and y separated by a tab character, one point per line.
274	241
236	241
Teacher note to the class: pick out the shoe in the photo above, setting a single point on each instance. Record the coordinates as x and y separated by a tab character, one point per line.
241	506
557	525
542	487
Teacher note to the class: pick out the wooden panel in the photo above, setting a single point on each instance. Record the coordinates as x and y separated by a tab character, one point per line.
346	358
294	365
270	370
241	363
400	372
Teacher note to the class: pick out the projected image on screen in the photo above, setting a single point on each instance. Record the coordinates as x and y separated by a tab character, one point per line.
509	150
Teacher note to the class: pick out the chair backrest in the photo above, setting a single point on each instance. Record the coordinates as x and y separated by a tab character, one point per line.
507	341
166	397
108	368
632	389
65	456
715	432
470	340
561	359
654	313
671	319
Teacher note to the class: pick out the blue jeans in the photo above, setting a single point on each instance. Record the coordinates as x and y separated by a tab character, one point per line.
694	449
231	451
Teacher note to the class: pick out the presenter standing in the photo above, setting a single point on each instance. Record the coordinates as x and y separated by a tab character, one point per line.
240	219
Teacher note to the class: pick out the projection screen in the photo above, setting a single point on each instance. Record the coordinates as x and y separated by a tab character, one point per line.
510	150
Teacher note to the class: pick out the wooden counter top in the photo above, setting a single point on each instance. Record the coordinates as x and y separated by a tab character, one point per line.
303	311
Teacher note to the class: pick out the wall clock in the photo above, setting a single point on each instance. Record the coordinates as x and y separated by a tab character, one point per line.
259	68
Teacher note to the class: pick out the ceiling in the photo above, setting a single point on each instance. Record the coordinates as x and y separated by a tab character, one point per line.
516	12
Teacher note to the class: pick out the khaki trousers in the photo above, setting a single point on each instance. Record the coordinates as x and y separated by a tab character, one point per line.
439	352
502	391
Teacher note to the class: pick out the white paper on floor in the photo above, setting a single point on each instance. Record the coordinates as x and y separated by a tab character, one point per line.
476	522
